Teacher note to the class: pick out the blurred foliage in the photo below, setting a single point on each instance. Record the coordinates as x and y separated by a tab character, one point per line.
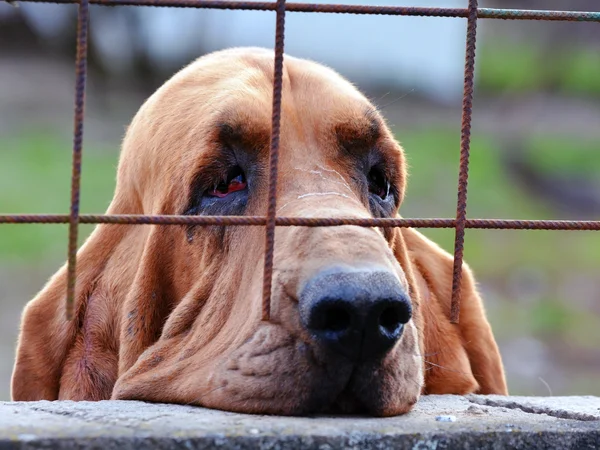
567	156
509	66
548	318
521	67
433	157
35	178
581	73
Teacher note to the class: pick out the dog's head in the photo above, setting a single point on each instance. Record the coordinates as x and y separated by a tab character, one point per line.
344	323
173	313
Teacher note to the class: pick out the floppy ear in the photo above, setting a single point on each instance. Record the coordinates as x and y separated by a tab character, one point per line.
462	358
46	337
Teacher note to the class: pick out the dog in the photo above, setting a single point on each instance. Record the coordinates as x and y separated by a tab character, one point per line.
360	316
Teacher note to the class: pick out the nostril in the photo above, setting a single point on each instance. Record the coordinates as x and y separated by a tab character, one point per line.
389	319
330	316
336	318
393	316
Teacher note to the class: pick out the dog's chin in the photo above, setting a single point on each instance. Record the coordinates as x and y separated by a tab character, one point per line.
275	373
380	388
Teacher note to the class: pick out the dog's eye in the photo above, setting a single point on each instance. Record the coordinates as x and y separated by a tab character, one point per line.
378	184
235	181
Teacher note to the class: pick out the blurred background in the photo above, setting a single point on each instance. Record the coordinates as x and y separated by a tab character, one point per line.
535	147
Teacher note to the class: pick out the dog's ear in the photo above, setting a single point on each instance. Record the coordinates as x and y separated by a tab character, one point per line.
46	336
458	359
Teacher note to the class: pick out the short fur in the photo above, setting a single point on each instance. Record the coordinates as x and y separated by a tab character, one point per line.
173	313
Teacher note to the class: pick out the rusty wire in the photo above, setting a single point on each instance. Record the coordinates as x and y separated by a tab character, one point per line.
460	223
482	13
231	221
465	148
274	158
80	78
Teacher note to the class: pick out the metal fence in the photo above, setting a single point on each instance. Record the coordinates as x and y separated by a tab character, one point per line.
472	13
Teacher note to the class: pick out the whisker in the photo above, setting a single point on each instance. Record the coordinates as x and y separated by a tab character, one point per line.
406	94
426	355
546	384
447	368
439	352
382	96
419	385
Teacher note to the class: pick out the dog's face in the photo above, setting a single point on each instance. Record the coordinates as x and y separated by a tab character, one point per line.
173	313
344	334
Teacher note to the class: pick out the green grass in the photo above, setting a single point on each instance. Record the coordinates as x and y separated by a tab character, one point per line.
35	178
565	156
521	67
581	71
433	156
508	66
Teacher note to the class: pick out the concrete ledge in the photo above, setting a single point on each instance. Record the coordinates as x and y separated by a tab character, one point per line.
437	422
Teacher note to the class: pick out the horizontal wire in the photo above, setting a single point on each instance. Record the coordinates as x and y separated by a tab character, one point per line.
134	219
482	13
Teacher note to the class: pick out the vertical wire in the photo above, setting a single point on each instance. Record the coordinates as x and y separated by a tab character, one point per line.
463	177
81	74
274	157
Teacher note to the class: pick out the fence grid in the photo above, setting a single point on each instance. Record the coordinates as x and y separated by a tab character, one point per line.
472	13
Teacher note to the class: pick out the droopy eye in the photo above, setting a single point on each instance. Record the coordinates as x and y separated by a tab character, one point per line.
235	181
378	184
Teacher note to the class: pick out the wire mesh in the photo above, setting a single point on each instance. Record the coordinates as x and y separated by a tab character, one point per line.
472	13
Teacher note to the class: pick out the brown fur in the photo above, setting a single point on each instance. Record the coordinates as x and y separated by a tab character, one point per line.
172	314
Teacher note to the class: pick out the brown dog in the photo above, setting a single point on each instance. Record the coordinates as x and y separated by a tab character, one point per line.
173	313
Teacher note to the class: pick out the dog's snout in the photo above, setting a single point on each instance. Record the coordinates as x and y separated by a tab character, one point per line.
359	314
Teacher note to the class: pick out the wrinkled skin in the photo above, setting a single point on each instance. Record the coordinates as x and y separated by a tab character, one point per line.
173	313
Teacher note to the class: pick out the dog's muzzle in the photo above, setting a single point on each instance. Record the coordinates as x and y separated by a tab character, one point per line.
359	314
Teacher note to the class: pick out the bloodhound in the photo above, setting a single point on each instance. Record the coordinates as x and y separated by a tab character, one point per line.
360	316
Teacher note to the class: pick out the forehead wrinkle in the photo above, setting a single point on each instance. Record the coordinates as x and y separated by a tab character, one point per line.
376	121
360	133
243	127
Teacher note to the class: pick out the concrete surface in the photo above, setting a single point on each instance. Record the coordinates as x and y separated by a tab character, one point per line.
437	422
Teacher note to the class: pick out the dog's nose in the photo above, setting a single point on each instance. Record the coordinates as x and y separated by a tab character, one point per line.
359	314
